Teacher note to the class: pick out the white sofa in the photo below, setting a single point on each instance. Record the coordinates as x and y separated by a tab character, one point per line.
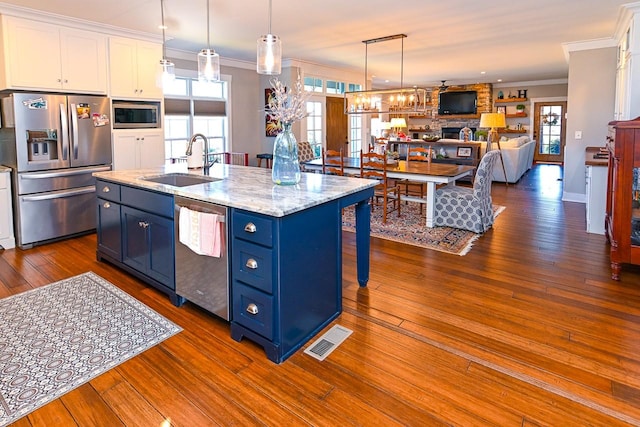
517	154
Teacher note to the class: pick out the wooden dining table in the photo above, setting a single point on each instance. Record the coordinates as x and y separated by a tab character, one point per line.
431	173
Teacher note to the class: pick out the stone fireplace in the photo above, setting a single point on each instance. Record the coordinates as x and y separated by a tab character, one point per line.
453	132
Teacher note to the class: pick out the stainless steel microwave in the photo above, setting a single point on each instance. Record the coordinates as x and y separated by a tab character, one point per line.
136	114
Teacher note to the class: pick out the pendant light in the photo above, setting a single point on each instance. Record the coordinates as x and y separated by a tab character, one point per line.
208	60
167	68
269	52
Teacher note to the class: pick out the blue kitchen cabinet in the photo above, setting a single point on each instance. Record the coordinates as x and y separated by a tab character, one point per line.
135	231
148	246
286	277
109	230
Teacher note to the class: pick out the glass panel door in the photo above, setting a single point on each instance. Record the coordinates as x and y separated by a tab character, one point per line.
549	125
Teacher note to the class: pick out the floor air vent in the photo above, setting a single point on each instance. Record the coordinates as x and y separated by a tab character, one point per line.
329	341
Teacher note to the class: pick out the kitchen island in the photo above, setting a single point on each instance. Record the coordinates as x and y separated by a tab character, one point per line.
284	243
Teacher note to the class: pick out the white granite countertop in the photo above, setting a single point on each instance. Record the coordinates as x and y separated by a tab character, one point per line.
246	187
5	168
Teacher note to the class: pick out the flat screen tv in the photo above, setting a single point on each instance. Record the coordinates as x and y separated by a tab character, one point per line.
461	102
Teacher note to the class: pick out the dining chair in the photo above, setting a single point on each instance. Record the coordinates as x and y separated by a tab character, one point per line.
416	190
468	208
332	162
387	192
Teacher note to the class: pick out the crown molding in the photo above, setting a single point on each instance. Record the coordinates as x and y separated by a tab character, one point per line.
588	45
80	24
532	83
323	70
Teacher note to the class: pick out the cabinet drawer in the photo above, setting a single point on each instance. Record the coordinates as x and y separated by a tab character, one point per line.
254	228
253	309
108	190
253	265
149	201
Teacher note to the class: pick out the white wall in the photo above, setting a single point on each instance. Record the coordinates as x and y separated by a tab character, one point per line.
590	107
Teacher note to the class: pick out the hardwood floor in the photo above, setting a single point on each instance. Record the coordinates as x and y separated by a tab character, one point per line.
527	329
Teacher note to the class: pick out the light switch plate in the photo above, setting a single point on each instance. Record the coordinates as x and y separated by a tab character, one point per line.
578	134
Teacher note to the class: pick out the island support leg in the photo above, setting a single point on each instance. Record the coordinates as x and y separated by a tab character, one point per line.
431	201
363	240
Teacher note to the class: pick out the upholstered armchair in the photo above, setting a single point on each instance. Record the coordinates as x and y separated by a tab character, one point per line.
468	208
305	153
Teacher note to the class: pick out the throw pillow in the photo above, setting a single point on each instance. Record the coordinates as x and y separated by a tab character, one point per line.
509	143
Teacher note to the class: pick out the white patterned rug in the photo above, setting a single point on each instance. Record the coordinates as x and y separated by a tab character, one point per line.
60	336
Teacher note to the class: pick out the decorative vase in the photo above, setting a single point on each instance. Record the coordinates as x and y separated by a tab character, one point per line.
286	167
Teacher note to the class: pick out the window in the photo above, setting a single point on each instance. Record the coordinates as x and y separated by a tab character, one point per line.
335	87
354	87
176	129
356	134
313	84
195	107
314	126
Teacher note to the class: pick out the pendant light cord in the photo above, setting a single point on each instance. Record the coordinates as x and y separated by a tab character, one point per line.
208	26
401	63
366	56
269	17
164	49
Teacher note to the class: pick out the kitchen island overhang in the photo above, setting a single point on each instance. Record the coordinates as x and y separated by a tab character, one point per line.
284	302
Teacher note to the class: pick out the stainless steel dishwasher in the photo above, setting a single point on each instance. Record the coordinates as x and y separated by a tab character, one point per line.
201	279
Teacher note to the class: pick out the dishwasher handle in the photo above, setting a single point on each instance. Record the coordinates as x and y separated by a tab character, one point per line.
199	208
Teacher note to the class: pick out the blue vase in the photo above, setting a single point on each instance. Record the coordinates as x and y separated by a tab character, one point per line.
286	167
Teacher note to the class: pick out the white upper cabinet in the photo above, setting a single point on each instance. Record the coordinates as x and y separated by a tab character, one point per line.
43	56
133	65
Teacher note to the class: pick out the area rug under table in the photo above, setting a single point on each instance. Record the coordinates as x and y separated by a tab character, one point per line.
57	337
410	228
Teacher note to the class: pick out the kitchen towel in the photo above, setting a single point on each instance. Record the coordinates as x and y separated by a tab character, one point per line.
201	232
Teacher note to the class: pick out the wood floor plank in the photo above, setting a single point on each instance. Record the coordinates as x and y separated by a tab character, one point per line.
52	414
88	409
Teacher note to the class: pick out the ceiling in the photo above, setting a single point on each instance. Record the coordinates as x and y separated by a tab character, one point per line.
461	41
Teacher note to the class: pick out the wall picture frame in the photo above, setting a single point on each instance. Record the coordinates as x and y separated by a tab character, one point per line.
501	109
464	152
272	126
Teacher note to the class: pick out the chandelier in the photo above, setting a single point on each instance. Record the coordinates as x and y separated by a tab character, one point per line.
398	101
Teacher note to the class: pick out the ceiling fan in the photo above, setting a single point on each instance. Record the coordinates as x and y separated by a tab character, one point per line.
443	87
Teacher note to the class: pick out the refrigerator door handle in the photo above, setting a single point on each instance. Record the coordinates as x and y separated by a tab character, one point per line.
59	194
57	174
65	131
74	130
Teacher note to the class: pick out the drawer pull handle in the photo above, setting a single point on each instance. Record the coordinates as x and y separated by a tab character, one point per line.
250	228
106	205
105	189
252	264
143	224
252	309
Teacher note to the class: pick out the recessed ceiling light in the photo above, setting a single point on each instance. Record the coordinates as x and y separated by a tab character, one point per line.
483	72
162	27
499	80
386	81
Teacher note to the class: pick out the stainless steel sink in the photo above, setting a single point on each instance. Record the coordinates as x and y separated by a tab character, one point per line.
180	179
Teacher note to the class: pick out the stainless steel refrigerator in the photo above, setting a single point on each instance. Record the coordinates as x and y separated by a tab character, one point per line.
54	143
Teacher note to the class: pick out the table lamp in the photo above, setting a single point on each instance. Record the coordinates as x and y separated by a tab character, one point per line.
493	121
385	126
397	123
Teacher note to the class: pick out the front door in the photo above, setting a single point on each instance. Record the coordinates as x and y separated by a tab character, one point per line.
549	131
337	125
